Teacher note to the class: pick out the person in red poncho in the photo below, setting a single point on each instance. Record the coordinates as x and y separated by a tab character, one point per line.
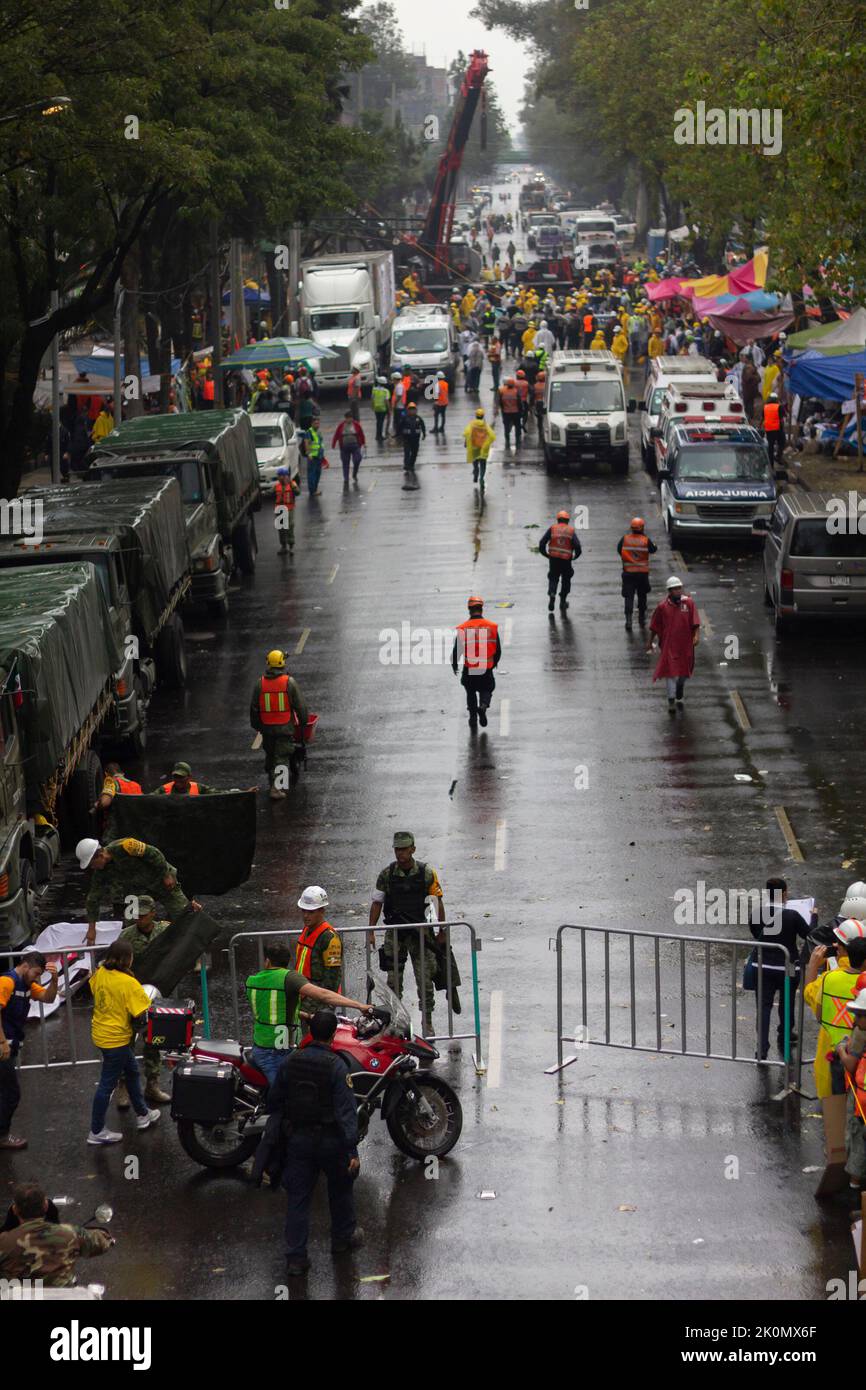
677	626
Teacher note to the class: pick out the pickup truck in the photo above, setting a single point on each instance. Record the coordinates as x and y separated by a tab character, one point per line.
212	454
58	655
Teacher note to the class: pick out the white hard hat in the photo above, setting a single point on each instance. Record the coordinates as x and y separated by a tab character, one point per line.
313	898
85	850
856	890
849	930
674	583
854	907
857	1005
440	376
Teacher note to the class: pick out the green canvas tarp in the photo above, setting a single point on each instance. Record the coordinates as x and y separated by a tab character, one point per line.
210	840
56	637
146	515
176	950
225	437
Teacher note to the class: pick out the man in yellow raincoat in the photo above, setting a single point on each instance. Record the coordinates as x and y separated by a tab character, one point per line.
479	436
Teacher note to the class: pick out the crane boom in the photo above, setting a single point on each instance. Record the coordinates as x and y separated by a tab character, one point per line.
440	215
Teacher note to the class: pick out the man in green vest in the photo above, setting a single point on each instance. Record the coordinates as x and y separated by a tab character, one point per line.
274	996
401	892
381	400
312	447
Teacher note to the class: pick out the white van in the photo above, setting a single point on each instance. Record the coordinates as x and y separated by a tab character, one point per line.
424	340
663	371
585	417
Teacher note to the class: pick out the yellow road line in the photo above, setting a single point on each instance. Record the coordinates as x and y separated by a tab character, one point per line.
788	832
333	575
302	641
705	622
680	562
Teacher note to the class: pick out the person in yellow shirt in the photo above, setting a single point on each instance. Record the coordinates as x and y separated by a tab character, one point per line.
655	347
102	425
528	338
467	303
771	374
118	1000
478	436
598	343
619	346
828	995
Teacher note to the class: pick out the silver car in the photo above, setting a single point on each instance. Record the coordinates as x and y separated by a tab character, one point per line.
814	558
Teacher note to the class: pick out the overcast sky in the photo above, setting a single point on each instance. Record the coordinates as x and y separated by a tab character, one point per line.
440	28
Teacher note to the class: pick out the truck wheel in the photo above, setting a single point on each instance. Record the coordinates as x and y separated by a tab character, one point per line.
85	785
171	654
245	546
218	610
783	624
549	460
619	467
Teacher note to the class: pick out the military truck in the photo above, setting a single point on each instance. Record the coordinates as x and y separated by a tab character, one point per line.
212	454
58	655
134	534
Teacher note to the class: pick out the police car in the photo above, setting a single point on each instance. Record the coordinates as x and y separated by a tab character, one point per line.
715	481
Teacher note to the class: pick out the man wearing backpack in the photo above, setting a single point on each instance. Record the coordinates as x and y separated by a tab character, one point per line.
349	434
401	893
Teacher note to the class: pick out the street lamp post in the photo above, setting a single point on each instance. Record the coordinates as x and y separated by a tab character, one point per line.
49	106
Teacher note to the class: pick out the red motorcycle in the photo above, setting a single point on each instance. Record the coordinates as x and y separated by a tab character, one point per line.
218	1094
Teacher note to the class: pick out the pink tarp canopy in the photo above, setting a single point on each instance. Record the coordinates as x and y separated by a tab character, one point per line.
743	279
747	327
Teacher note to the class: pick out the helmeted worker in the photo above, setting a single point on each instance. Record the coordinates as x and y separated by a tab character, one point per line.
509	406
559	546
677	626
538	389
181	784
125	868
141	934
398	403
312	446
479	437
286	490
279	712
828	995
440	403
116	783
634	549
319	952
851	1052
774	431
477	644
401	893
588	327
599	342
522	384
380	398
414	430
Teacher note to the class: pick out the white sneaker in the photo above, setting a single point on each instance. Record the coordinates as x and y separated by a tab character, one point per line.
145	1121
105	1136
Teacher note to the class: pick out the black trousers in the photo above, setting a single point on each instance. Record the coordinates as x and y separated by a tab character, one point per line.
772	988
635	586
439	418
309	1153
381	421
512	421
479	690
10	1092
560	572
411	445
775	444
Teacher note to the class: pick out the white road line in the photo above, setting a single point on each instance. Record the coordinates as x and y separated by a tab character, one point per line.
705	622
740	711
790	838
504	718
506	632
509	566
494	1041
372	485
302	642
256	743
510	518
499	851
333	575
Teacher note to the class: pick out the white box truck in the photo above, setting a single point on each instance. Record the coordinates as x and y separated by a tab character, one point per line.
348	305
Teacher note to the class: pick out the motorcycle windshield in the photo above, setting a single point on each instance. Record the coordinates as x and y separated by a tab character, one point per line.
384	998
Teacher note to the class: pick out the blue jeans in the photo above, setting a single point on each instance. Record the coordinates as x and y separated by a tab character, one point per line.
117	1062
269	1060
314	473
350	455
308	1154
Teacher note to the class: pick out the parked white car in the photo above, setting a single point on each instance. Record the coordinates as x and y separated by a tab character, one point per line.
276	446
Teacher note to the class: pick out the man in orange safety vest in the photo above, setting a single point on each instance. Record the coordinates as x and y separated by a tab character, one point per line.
477	643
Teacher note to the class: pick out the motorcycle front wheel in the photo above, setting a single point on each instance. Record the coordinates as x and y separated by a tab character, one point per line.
216	1146
416	1134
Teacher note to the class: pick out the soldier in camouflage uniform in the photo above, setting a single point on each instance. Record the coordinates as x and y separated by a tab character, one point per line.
401	894
42	1249
141	934
124	868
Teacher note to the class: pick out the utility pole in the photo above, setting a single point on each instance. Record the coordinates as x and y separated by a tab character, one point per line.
55	394
216	317
118	375
294	280
239	318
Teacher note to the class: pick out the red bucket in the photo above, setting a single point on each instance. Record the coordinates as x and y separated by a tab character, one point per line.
310	728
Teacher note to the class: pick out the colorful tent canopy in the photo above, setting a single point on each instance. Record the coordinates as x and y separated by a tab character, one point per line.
734	305
751	276
829	377
840	338
743	325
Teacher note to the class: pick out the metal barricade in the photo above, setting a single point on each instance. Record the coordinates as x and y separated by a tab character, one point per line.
424	964
67	955
680	944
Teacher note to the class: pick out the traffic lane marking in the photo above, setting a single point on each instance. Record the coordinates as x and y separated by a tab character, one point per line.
333	575
790	838
500	846
302	642
705	622
494	1041
740	711
504	718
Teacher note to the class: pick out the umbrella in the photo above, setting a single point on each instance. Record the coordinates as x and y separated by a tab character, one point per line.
275	352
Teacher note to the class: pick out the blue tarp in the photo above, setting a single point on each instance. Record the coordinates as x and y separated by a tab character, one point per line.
104	366
250	296
829	378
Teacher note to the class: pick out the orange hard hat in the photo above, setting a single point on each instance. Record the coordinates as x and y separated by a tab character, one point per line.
521	373
563	515
474	601
637	523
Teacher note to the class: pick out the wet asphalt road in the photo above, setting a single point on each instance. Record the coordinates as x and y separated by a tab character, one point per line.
519	851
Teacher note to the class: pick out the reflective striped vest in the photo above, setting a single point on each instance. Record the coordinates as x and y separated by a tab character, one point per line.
125	786
772	413
560	546
284	494
509	400
304	948
839	988
274	703
168	788
635	553
477	638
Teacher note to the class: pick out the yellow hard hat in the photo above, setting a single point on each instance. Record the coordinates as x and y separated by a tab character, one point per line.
276	658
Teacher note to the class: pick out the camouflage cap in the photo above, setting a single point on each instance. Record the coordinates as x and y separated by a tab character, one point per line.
181	770
404	839
145	904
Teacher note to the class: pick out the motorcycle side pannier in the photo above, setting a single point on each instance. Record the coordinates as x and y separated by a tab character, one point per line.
203	1092
170	1023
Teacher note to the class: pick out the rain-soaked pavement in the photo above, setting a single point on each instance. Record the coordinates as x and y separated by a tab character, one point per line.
583	802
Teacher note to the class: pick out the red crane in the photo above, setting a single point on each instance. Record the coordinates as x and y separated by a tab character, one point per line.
436	236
